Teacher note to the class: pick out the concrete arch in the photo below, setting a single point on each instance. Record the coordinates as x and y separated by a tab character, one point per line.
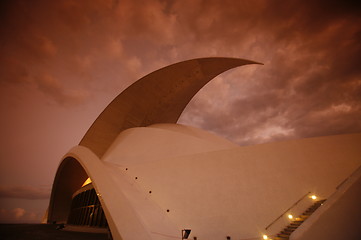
69	178
159	97
191	180
234	175
115	193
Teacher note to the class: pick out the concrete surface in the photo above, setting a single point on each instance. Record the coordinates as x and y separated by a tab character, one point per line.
338	218
159	97
234	192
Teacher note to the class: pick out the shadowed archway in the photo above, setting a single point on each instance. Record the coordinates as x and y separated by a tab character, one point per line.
69	178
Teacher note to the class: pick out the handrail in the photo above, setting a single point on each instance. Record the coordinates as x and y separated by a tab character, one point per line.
347	178
288	210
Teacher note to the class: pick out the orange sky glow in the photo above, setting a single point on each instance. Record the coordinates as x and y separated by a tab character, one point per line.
62	62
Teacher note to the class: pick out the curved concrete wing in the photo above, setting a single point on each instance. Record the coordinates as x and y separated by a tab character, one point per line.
159	97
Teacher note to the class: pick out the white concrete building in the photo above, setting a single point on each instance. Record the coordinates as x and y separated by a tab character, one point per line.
151	178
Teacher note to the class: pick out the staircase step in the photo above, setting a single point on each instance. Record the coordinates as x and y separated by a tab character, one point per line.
283	235
308	211
287	231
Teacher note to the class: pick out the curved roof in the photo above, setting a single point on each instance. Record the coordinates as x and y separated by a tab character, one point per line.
159	97
157	177
195	132
234	192
162	141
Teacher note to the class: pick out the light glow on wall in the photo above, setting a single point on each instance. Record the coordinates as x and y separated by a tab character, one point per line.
88	181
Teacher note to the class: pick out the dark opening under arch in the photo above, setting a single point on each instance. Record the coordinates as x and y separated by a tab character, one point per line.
69	178
86	209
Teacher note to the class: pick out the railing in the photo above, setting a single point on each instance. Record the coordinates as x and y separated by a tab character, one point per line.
299	209
288	209
350	176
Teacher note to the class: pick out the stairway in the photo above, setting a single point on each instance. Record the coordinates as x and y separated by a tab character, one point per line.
286	232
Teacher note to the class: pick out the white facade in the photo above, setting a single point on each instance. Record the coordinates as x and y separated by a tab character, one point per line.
153	181
215	192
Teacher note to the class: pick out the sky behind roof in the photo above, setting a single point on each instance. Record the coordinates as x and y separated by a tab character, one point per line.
62	62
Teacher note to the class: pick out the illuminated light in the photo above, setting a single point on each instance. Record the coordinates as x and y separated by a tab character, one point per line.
290	216
314	197
88	181
265	236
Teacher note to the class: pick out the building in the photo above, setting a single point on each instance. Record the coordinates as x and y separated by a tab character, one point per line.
146	177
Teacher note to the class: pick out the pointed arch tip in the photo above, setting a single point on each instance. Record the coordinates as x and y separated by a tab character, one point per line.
220	58
159	97
250	61
231	58
243	60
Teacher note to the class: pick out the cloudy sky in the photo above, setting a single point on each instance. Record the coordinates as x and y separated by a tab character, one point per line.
62	62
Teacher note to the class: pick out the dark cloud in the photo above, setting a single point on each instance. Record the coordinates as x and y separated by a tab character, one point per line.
79	55
310	82
24	192
19	215
59	93
311	53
